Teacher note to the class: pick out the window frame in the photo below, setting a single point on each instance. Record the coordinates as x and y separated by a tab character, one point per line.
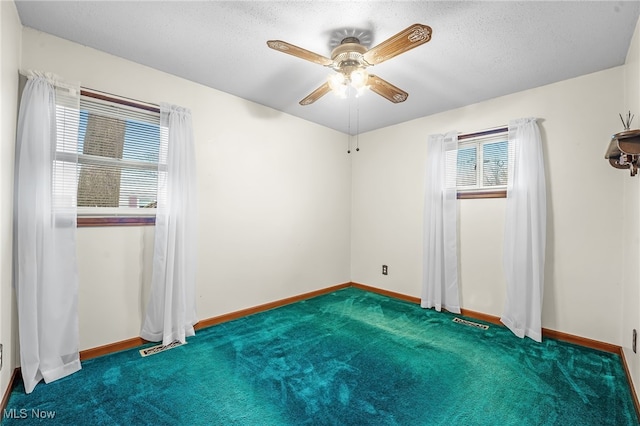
478	139
118	216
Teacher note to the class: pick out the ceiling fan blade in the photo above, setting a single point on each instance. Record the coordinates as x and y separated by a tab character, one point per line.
405	40
386	89
316	94
289	48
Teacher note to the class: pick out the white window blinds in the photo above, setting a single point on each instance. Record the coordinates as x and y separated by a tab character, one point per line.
117	157
483	162
64	165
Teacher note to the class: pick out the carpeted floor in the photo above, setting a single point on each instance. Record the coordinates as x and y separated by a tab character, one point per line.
347	358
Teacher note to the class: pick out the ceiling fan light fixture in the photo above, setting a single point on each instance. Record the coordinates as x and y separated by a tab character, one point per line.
359	79
361	91
338	84
341	91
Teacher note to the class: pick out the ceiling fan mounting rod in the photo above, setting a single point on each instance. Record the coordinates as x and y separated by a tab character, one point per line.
350	40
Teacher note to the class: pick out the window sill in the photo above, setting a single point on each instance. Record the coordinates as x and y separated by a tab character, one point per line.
502	193
85	222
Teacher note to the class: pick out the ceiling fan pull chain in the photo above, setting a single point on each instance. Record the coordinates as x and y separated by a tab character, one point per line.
357	124
349	127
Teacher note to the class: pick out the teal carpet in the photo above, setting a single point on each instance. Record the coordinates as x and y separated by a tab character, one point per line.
347	358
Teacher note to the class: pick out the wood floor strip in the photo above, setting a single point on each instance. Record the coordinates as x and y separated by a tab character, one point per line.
581	341
492	319
112	348
634	395
138	341
387	293
267	306
566	337
13	381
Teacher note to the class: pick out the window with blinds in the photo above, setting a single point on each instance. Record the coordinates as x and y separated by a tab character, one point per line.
64	171
118	152
483	163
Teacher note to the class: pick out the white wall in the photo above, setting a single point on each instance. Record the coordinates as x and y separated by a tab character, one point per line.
631	218
274	199
278	217
583	275
10	40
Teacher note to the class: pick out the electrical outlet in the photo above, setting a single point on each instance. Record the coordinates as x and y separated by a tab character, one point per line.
635	341
384	270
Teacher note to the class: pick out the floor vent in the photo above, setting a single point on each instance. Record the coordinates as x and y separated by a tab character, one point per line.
472	324
159	348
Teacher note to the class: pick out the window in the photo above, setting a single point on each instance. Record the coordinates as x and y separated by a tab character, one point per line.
483	160
118	151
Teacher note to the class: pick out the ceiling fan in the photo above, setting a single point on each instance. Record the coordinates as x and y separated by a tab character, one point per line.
350	59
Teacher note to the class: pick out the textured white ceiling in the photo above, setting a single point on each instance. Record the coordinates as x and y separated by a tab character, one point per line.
479	50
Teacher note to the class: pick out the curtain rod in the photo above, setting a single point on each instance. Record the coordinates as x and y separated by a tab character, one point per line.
52	78
486	132
96	94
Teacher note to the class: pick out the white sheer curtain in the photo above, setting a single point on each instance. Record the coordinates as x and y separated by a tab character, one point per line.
440	274
46	279
525	231
171	311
